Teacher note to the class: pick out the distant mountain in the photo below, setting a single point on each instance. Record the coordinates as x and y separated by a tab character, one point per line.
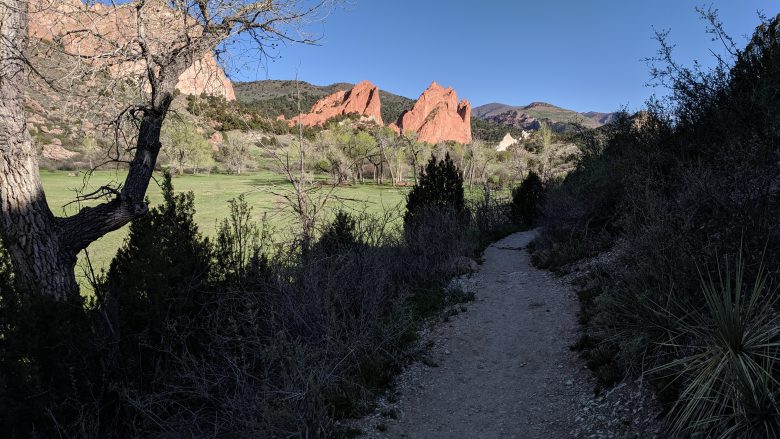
529	117
274	97
492	109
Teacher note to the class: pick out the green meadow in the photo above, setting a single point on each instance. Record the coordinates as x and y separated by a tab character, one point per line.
263	190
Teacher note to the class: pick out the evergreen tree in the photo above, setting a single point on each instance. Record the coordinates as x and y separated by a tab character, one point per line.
340	235
440	187
526	200
162	266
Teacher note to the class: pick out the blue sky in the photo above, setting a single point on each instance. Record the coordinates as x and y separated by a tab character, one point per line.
584	55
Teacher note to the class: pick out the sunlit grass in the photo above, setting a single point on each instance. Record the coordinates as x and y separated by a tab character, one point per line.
212	192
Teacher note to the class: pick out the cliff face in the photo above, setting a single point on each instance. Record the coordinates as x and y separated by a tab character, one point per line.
363	99
437	117
105	30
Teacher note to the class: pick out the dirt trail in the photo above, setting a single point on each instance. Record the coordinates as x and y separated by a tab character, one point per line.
503	368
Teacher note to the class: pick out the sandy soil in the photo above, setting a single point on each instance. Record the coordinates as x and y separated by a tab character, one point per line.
501	369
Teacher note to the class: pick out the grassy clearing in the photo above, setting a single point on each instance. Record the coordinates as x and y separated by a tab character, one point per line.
212	193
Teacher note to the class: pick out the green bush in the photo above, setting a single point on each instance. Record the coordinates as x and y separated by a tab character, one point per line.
164	260
238	248
439	187
338	235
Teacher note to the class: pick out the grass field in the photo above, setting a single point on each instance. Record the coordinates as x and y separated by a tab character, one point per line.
212	193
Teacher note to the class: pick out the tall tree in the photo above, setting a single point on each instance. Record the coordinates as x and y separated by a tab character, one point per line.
44	247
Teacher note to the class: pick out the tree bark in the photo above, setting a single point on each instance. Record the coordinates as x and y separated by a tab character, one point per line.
30	229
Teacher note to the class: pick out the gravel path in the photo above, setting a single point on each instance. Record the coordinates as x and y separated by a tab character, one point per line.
502	368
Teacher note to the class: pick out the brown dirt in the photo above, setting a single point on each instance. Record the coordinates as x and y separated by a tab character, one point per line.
503	368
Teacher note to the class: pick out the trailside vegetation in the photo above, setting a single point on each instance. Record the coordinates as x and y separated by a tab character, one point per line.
682	202
236	336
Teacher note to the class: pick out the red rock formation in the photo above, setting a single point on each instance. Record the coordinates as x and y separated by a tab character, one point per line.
215	140
437	117
101	29
363	99
55	151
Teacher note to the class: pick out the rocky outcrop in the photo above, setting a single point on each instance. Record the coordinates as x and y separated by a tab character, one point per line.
55	151
362	99
517	119
506	142
438	117
99	32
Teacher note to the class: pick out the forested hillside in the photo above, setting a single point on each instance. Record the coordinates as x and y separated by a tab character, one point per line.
274	97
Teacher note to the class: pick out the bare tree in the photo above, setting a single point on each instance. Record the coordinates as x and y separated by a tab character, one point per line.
303	199
43	247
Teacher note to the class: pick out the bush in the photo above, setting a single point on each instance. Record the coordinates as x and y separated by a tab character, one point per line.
163	264
338	236
189	337
669	192
238	249
51	382
439	187
724	359
526	200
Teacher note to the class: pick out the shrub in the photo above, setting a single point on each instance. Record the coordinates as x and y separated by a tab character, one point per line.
724	359
189	337
49	370
338	236
492	219
439	187
238	246
526	200
669	191
163	262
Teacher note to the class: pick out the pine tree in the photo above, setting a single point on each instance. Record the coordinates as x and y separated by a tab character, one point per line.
527	199
162	266
440	187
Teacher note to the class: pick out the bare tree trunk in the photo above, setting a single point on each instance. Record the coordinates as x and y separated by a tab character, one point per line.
30	229
414	169
389	167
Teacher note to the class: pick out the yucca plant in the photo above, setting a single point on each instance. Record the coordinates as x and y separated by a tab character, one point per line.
726	360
